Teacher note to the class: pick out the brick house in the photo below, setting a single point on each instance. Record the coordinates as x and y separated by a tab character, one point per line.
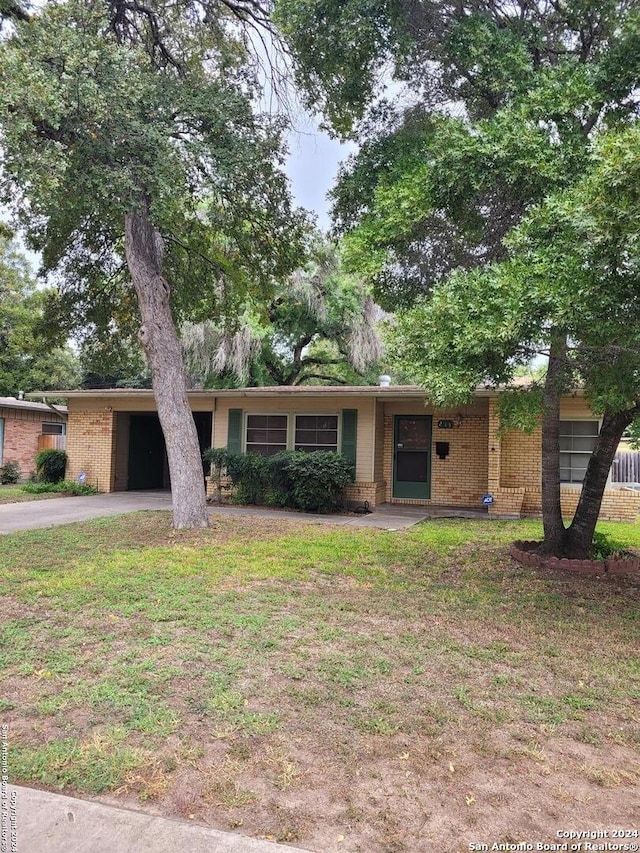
26	428
404	451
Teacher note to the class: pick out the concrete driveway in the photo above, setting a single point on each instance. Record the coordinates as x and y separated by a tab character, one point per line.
37	514
31	515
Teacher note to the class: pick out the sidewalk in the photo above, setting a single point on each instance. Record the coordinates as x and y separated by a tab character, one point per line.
32	515
52	823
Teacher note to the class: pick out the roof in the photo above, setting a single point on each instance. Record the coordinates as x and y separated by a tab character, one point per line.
272	391
14	403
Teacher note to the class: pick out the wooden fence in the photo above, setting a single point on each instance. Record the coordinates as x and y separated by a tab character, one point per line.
52	442
626	467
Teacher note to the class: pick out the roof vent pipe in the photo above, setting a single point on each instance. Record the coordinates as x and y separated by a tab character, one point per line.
20	395
384	380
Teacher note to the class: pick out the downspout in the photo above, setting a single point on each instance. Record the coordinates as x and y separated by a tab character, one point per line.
63	415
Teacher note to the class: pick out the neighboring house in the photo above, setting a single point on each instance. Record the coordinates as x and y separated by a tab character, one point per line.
26	428
404	451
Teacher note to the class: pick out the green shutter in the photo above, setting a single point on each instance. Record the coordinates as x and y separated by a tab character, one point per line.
234	431
349	434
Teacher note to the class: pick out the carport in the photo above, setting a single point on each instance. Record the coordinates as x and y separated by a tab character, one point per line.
141	454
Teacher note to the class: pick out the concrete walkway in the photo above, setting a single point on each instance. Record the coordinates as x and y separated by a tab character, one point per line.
52	823
32	515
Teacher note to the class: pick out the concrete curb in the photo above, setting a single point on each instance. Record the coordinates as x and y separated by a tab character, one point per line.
53	823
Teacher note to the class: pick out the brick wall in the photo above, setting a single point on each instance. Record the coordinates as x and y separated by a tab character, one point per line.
22	428
373	492
461	478
515	471
91	446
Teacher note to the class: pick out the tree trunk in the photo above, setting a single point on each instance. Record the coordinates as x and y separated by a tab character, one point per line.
552	522
143	247
579	536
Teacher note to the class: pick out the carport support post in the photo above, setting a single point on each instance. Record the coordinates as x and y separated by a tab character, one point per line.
143	247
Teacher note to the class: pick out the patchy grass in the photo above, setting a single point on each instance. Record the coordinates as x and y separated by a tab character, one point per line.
341	689
15	494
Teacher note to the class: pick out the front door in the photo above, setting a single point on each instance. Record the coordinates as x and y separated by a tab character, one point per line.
412	457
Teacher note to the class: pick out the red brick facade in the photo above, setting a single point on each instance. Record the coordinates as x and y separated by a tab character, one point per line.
22	428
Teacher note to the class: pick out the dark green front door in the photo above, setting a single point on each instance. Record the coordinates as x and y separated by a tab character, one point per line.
412	456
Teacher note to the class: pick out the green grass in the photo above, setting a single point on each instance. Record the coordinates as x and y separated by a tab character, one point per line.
16	494
228	663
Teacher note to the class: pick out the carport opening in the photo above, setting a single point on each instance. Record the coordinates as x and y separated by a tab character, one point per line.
147	463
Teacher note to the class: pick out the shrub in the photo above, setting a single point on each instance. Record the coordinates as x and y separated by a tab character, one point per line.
250	475
313	481
10	473
65	487
51	465
217	457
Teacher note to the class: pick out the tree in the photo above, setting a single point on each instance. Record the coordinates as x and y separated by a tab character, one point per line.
573	265
131	150
319	326
28	359
112	361
507	104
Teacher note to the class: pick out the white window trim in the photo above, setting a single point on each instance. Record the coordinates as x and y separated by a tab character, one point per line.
54	423
335	415
245	425
291	425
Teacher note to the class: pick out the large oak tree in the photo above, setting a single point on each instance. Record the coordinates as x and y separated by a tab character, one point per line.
131	149
502	107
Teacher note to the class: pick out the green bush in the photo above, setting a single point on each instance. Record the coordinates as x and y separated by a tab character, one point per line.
313	481
217	457
51	465
250	475
65	487
10	473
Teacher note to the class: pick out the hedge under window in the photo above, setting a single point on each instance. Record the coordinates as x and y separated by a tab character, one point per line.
316	432
577	440
266	434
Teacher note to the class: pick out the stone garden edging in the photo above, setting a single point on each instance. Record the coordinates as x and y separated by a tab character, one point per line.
523	552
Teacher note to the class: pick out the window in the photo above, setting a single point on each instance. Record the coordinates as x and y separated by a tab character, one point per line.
53	429
577	440
316	432
266	434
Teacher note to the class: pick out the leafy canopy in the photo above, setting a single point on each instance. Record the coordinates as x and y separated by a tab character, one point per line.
107	106
319	326
29	360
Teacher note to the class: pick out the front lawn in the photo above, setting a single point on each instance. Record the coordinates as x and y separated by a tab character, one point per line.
15	494
352	690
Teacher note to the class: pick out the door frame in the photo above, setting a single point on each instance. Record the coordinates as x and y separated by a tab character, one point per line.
426	486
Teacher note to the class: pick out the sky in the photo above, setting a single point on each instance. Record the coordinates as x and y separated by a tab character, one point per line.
312	166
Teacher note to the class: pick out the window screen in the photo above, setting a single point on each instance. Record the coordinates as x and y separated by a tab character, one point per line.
316	432
53	429
577	440
266	434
